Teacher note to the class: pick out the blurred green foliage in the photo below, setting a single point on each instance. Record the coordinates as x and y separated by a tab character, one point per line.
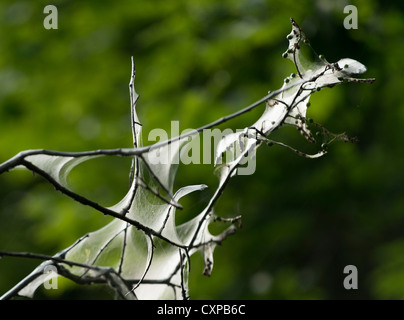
303	220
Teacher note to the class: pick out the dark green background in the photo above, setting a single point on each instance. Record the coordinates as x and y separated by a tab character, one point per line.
303	220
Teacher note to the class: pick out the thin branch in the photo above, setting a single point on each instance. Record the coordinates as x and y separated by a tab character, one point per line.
56	259
101	250
134	170
183	291
133	99
127	207
300	153
39	256
123	249
208	209
149	169
128	152
110	275
95	205
166	219
171	202
229	220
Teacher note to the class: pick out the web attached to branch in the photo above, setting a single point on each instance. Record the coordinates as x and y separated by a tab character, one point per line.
142	253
